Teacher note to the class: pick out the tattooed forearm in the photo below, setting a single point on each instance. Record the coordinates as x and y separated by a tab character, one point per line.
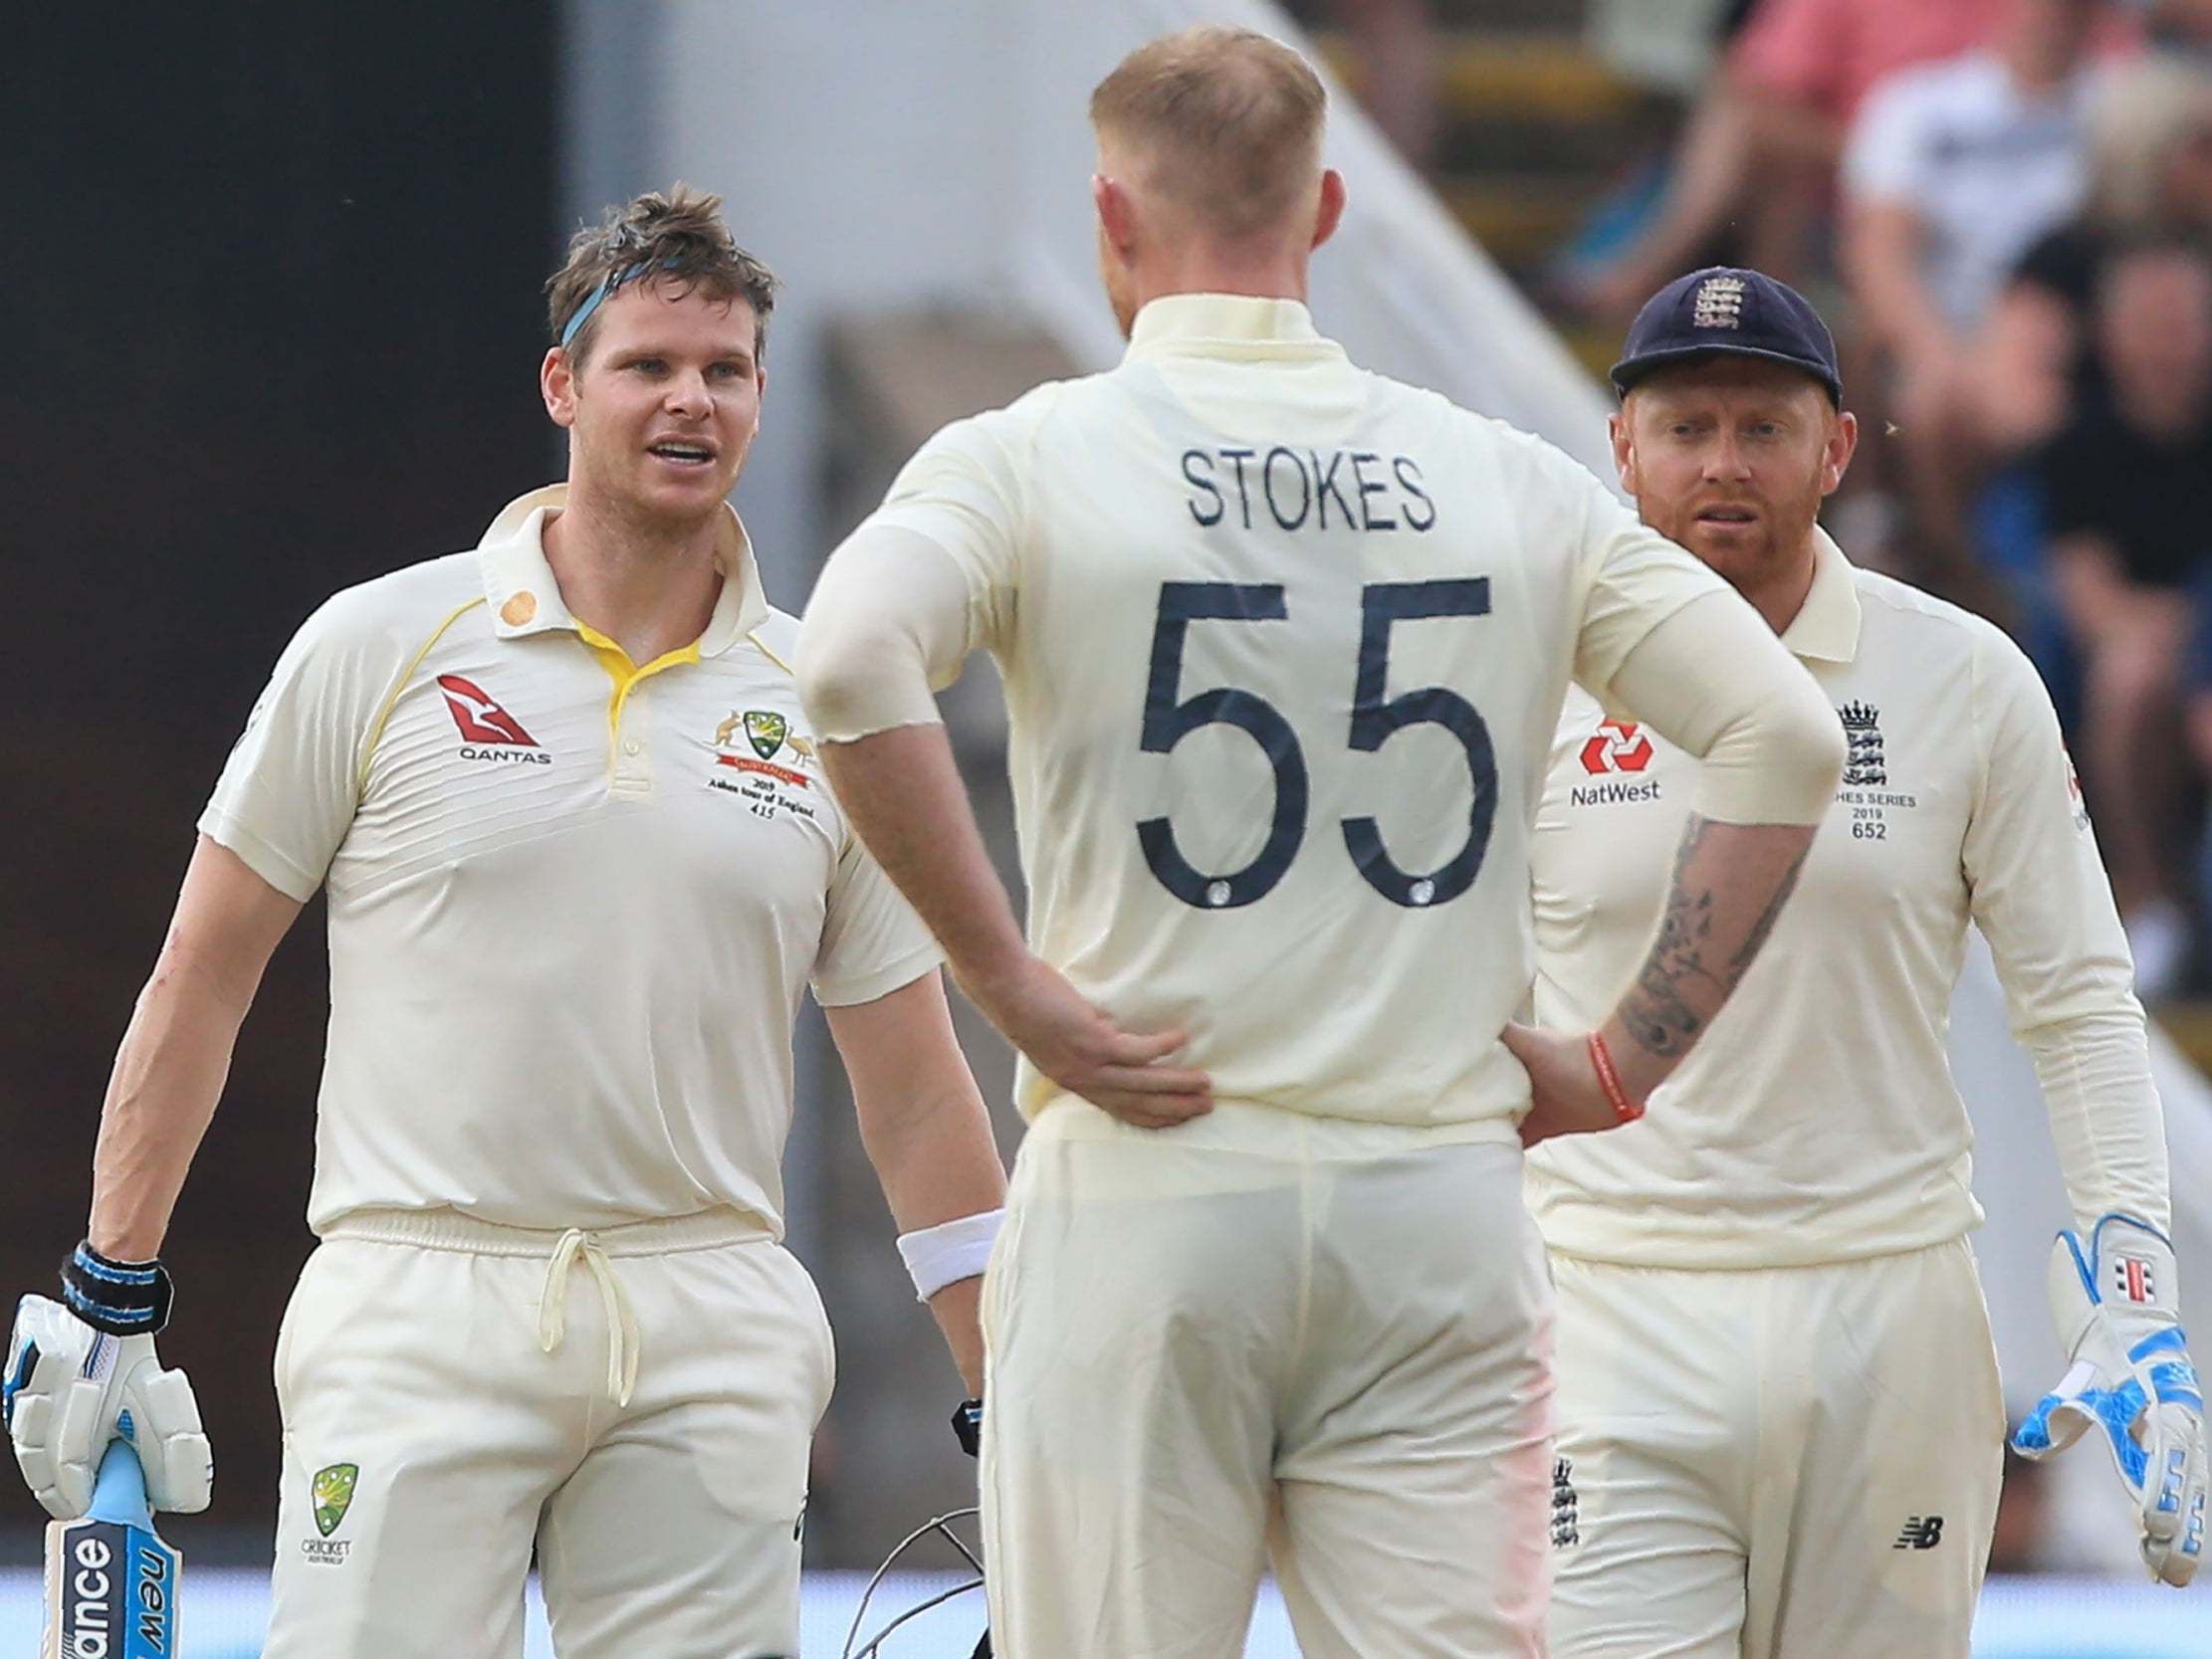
1765	925
1729	885
1657	1011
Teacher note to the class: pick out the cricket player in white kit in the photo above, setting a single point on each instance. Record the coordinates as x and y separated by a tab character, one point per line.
581	864
1780	1431
1283	645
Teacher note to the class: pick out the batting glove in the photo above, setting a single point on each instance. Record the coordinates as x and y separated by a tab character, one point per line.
2130	1376
69	1389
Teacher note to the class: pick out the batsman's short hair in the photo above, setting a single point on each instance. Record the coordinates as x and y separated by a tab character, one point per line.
1229	123
678	237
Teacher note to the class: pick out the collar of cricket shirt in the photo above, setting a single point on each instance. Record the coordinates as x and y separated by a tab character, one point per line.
518	584
1177	324
1826	626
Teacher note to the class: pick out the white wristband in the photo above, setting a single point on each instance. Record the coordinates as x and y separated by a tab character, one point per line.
950	1251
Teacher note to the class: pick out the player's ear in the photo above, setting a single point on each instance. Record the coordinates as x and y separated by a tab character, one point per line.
1332	206
1842	443
1117	217
1623	451
556	384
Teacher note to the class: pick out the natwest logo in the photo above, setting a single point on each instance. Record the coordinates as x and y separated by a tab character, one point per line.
1617	747
485	727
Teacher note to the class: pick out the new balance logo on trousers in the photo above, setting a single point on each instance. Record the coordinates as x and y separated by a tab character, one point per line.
1922	1532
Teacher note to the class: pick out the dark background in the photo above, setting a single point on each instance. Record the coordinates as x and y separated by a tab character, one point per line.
271	317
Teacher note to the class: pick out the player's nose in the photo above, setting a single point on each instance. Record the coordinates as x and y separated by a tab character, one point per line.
687	394
1725	460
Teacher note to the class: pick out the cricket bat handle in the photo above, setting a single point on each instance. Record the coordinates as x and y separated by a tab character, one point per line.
120	1490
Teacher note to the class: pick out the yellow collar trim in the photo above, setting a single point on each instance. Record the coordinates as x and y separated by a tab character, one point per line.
626	675
525	598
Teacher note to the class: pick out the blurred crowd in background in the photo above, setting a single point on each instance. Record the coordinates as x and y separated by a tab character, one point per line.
2004	208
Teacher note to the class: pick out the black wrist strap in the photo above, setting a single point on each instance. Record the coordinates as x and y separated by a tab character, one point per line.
968	1427
124	1298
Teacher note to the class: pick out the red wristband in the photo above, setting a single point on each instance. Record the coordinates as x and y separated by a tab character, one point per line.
1609	1079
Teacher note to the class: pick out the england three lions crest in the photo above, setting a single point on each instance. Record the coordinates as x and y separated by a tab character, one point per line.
1866	765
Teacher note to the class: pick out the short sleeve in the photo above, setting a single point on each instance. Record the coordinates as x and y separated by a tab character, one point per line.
1630	579
872	942
288	794
964	491
1886	154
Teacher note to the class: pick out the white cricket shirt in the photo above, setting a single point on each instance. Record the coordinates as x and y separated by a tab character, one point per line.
574	902
1284	643
1816	1120
1987	168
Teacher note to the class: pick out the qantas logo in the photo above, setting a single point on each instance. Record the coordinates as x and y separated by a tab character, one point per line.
485	727
480	719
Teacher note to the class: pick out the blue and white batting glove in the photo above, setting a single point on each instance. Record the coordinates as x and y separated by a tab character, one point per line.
2115	1303
72	1386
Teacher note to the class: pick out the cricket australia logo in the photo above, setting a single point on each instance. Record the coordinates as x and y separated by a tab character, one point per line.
766	730
1718	304
771	786
331	1493
1862	733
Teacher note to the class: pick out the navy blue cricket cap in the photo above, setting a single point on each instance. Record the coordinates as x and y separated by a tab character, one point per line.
1727	311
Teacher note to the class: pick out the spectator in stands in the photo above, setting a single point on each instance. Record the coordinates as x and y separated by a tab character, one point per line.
2182	26
1764	142
2150	144
2128	488
2197	713
1953	172
2150	148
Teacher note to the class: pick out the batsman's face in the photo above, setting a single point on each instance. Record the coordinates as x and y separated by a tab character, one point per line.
1731	457
665	405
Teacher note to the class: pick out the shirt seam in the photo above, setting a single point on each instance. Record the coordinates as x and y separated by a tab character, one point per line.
398	690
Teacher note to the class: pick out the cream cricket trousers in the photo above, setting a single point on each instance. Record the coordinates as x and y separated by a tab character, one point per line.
1256	1337
1787	1462
637	1404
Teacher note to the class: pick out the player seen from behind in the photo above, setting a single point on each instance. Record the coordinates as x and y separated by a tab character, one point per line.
1284	644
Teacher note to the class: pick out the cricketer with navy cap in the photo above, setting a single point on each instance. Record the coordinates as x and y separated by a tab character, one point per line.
1779	1425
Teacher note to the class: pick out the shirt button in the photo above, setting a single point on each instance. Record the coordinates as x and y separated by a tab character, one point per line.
629	745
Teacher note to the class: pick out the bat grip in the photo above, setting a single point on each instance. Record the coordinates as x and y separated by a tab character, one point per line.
120	1492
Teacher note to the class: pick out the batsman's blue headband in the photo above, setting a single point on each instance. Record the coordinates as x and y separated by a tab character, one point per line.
613	281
